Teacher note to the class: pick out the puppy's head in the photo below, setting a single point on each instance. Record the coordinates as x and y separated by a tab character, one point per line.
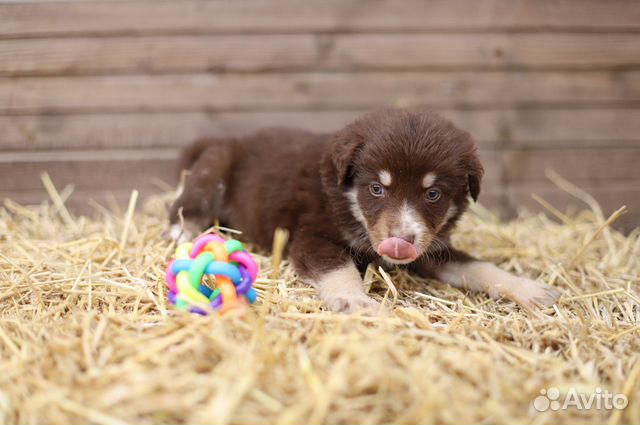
406	176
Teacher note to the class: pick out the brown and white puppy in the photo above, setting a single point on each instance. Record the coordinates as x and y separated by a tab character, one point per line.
389	187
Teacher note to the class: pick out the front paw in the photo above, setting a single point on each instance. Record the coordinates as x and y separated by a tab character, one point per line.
181	234
351	303
532	293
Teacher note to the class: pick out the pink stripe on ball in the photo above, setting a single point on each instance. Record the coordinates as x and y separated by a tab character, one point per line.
245	259
202	241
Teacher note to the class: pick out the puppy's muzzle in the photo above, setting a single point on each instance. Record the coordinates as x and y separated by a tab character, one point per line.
397	249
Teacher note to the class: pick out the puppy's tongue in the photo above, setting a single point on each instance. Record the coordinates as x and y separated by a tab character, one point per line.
398	249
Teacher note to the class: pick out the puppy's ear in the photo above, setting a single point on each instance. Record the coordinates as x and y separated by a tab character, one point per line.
344	148
474	171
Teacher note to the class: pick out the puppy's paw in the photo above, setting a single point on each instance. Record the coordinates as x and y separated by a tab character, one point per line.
532	293
351	303
180	234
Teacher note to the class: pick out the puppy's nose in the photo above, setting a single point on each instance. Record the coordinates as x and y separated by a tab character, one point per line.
409	237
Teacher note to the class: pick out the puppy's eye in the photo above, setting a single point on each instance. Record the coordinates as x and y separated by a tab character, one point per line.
433	194
376	189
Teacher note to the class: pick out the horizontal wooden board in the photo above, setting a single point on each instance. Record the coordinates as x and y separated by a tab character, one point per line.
317	91
137	130
95	169
484	51
29	18
157	54
88	170
110	169
335	52
587	165
569	128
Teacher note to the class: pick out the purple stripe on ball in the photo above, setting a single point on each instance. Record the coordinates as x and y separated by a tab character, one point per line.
217	302
199	311
246	282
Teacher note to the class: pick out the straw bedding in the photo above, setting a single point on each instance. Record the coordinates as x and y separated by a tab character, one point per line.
86	335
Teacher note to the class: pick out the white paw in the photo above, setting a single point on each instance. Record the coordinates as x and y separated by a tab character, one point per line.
351	303
532	293
178	233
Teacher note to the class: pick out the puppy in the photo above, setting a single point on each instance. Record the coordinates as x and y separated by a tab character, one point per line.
389	188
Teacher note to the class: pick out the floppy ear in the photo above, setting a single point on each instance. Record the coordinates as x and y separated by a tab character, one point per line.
474	171
344	148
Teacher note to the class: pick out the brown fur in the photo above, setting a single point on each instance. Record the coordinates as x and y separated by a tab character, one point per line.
299	180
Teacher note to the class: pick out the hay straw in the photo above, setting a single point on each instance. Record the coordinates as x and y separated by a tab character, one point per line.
87	336
127	219
56	198
280	239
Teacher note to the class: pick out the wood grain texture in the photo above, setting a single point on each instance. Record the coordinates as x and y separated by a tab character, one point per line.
328	15
113	169
138	130
589	166
484	51
103	94
176	53
334	52
96	170
119	168
317	91
547	128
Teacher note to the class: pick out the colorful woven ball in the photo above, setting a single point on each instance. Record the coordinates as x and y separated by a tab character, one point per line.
232	267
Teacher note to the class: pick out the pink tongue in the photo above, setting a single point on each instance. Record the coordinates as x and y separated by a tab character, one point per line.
398	249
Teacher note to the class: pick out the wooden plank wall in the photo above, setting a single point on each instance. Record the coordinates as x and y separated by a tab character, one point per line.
102	94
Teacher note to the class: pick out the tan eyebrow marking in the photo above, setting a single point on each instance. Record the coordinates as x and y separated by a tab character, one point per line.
385	177
428	180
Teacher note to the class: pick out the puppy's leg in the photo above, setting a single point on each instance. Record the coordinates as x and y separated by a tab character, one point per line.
341	290
201	199
334	274
468	273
